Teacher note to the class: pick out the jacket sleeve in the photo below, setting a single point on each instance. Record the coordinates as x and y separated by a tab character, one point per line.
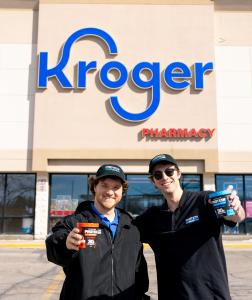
141	278
56	249
142	222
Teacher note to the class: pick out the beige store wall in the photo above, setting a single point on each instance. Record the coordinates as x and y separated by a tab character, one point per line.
134	2
81	124
233	20
18	25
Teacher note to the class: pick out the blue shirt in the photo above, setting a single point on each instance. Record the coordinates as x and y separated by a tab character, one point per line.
111	225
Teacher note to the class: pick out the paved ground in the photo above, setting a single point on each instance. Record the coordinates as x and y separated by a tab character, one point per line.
26	274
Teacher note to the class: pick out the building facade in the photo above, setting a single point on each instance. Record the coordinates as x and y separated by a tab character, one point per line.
88	82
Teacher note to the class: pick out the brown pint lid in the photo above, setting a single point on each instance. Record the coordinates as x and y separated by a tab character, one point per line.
90	225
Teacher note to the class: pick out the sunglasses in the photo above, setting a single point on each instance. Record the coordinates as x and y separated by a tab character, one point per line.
159	174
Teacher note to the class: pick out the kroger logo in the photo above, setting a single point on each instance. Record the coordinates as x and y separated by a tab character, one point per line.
177	75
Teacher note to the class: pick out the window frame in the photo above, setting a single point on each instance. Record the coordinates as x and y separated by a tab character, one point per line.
243	224
124	200
3	217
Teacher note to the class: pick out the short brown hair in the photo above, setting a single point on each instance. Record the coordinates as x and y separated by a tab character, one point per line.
93	181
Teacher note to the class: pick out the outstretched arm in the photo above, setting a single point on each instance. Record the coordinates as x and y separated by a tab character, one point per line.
61	244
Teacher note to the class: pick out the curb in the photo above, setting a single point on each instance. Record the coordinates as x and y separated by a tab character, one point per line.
41	245
227	246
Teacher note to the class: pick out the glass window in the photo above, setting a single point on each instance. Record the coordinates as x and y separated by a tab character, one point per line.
2	183
243	185
20	195
191	182
248	187
67	191
223	181
17	203
17	226
248	224
141	194
248	201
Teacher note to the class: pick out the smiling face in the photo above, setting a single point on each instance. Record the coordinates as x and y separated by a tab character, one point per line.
167	184
108	193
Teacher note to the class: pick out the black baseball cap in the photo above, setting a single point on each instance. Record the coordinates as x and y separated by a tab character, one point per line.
161	158
110	170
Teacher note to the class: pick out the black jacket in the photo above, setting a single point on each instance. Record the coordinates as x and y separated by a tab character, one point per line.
188	249
115	269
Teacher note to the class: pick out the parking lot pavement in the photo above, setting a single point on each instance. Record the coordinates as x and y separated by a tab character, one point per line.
239	264
27	275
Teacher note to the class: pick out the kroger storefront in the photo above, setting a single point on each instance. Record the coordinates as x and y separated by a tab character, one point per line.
88	82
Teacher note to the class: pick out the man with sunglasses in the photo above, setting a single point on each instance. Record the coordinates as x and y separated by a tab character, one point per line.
185	235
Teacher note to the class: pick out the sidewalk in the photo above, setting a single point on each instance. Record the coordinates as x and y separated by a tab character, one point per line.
230	242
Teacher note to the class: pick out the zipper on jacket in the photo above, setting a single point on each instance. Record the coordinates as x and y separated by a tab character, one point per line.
173	221
112	265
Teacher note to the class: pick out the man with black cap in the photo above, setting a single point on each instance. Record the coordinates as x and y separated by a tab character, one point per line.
108	263
185	235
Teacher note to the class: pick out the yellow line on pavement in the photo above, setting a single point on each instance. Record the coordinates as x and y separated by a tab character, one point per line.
226	246
237	246
22	245
53	288
146	246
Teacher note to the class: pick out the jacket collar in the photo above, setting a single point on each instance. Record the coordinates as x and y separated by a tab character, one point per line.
86	210
164	206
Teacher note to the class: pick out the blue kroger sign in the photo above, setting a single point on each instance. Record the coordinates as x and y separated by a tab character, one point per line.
177	75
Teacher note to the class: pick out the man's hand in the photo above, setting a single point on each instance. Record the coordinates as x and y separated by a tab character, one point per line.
73	240
235	203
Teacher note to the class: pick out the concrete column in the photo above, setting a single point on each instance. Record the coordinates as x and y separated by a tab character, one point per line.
209	182
41	209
